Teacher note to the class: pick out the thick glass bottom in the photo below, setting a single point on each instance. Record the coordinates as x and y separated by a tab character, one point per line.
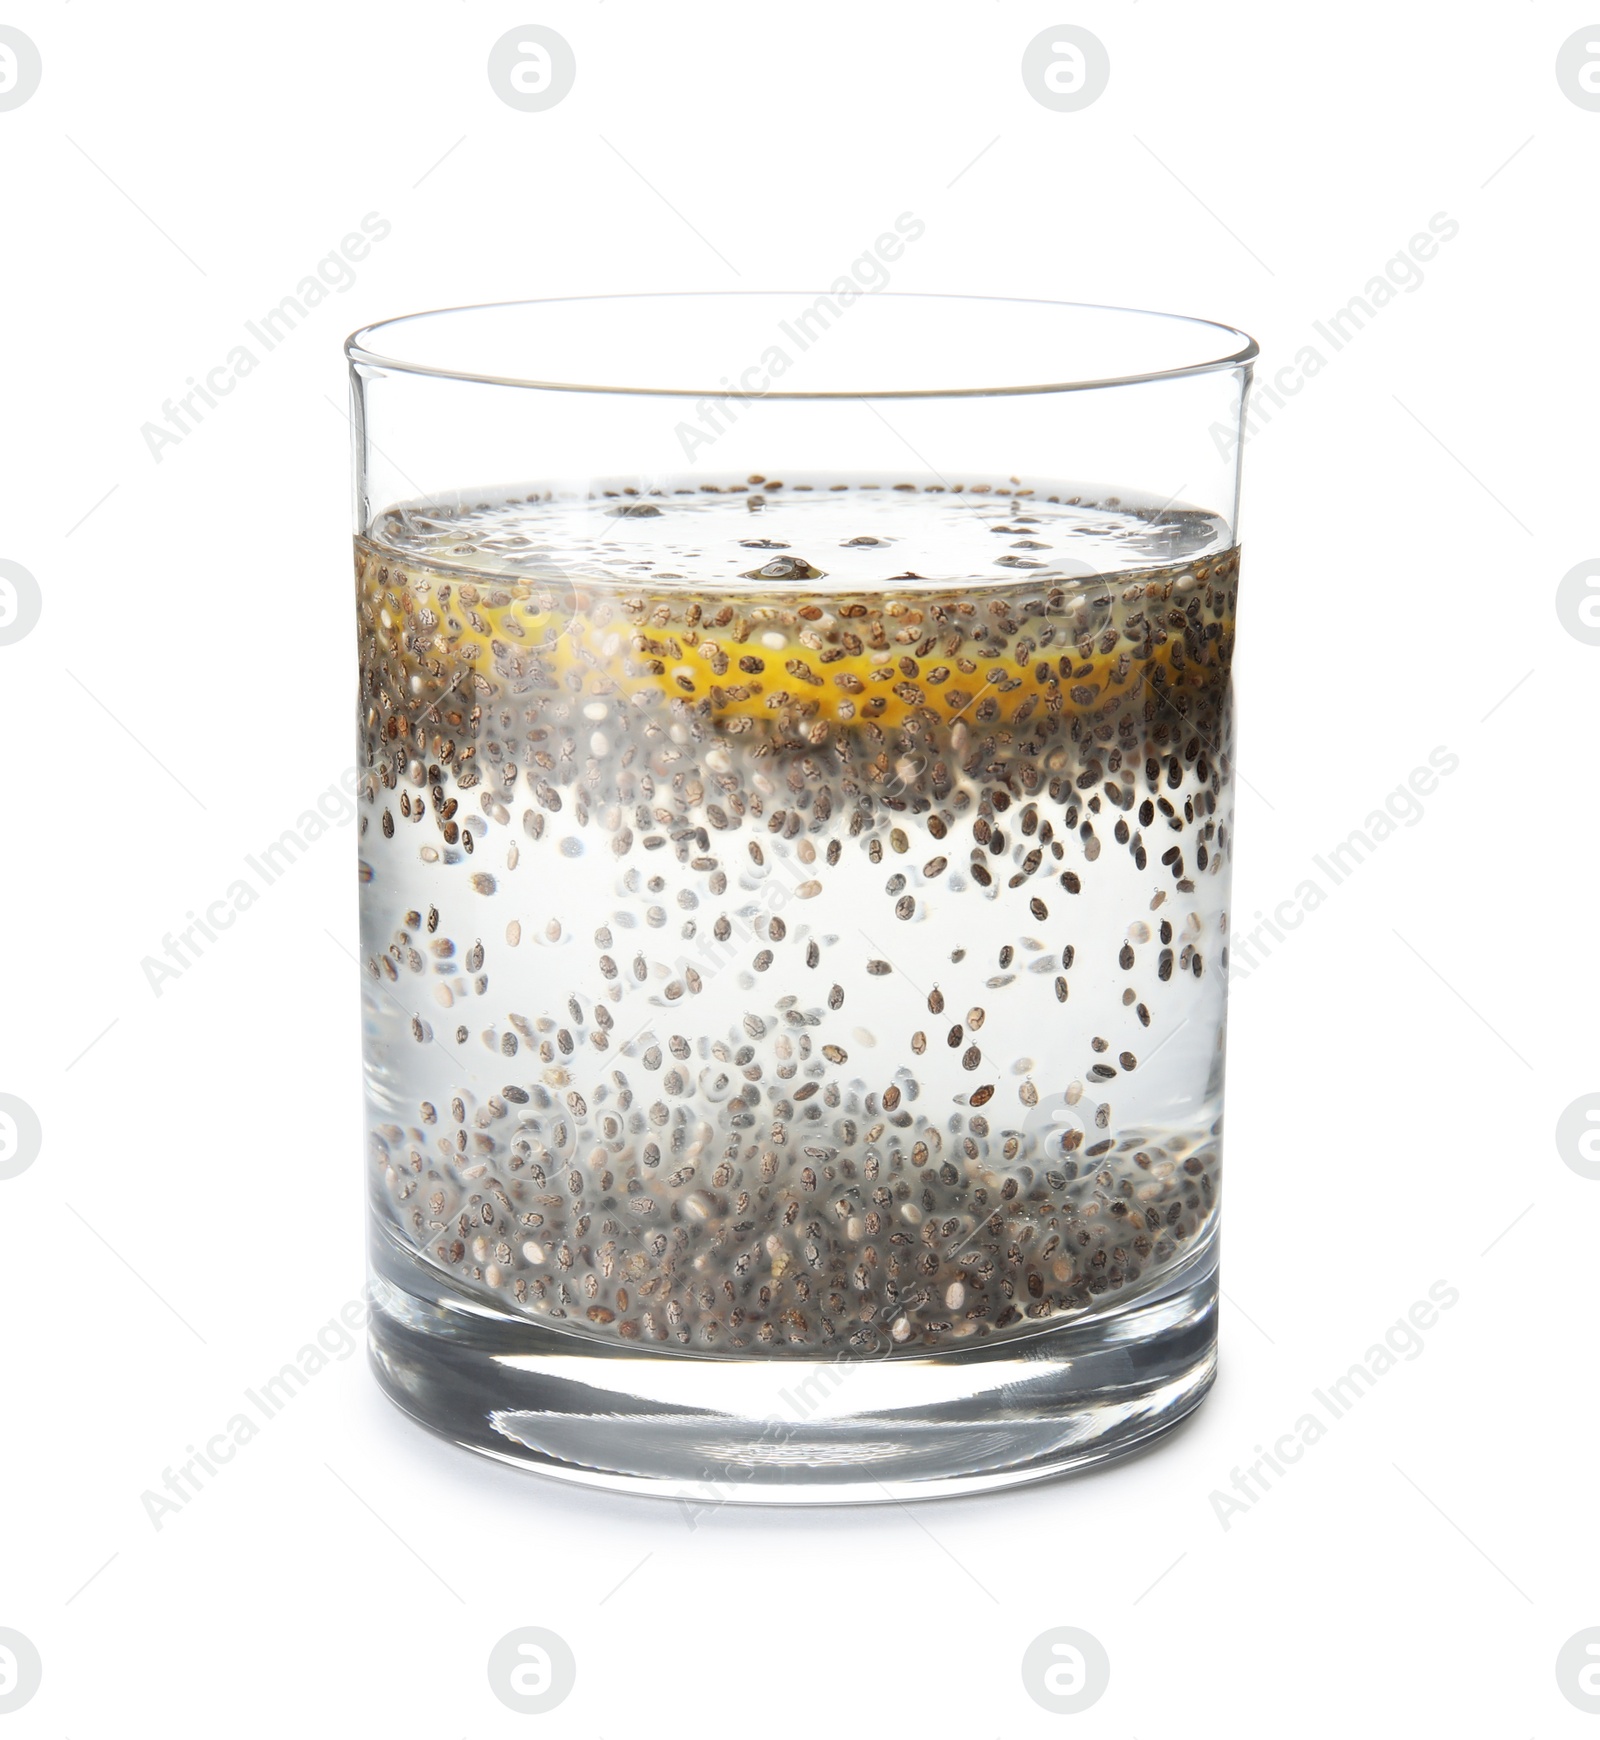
713	1430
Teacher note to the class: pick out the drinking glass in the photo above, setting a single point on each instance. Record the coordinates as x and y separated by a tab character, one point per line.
796	815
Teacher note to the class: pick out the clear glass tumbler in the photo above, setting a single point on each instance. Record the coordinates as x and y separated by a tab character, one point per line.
796	748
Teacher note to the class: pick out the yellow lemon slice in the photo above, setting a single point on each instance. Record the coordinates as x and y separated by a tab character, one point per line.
811	664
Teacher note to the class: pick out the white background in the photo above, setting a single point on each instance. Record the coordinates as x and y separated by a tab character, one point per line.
1396	1069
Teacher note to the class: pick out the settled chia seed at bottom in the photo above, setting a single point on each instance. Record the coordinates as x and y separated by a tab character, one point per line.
797	962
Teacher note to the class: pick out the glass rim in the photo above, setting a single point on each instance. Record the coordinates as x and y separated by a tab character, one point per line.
363	352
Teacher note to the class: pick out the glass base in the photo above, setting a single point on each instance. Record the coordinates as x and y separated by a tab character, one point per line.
711	1430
